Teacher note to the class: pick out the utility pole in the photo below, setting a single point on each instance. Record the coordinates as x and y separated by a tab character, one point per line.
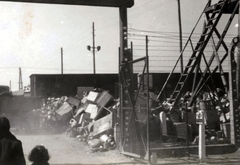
93	49
62	60
10	86
20	80
180	33
94	66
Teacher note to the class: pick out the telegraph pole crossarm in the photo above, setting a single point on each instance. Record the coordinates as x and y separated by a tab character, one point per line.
93	49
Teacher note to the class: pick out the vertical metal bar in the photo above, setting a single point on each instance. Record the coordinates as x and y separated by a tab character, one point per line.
122	55
232	93
128	112
235	109
238	59
123	30
202	142
119	75
132	47
141	83
119	113
61	60
187	136
148	145
180	34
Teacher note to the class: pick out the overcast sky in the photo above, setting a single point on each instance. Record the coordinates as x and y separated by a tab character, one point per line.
31	36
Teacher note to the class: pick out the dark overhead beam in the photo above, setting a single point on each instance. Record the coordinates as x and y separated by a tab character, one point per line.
106	3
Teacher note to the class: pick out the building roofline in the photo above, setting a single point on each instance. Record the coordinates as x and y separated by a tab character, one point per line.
103	3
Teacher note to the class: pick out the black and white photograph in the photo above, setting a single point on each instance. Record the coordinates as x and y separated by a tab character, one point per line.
119	82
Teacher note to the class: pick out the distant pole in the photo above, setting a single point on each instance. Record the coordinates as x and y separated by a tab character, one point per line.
20	80
93	49
94	68
62	60
180	33
10	86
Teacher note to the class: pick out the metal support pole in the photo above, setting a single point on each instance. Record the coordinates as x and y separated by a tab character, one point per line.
234	112
238	60
237	114
61	60
130	134
180	34
187	136
202	145
148	136
201	120
122	56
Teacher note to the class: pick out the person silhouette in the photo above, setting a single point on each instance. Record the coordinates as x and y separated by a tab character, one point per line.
11	151
39	155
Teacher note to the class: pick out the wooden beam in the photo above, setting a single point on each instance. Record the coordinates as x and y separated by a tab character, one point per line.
104	3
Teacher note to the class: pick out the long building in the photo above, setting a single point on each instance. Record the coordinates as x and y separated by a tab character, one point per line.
47	85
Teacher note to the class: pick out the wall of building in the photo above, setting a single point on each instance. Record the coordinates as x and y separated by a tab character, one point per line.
67	84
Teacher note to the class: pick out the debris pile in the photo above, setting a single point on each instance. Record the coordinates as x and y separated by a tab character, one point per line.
92	121
89	119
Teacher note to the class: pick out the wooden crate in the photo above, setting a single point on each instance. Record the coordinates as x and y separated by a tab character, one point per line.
104	98
65	112
181	130
74	101
103	124
81	90
92	96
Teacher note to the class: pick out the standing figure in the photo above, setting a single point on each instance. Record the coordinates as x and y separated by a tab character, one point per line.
39	155
11	151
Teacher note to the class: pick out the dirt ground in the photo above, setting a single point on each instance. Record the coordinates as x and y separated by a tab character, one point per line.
65	150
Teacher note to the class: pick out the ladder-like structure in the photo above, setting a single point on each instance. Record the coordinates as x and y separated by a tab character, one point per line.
213	14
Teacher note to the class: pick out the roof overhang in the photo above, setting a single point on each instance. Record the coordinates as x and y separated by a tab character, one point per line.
106	3
228	9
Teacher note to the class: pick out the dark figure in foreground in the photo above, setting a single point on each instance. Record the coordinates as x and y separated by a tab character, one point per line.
11	151
39	155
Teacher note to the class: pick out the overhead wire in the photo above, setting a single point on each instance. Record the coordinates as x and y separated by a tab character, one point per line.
166	32
138	14
157	6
